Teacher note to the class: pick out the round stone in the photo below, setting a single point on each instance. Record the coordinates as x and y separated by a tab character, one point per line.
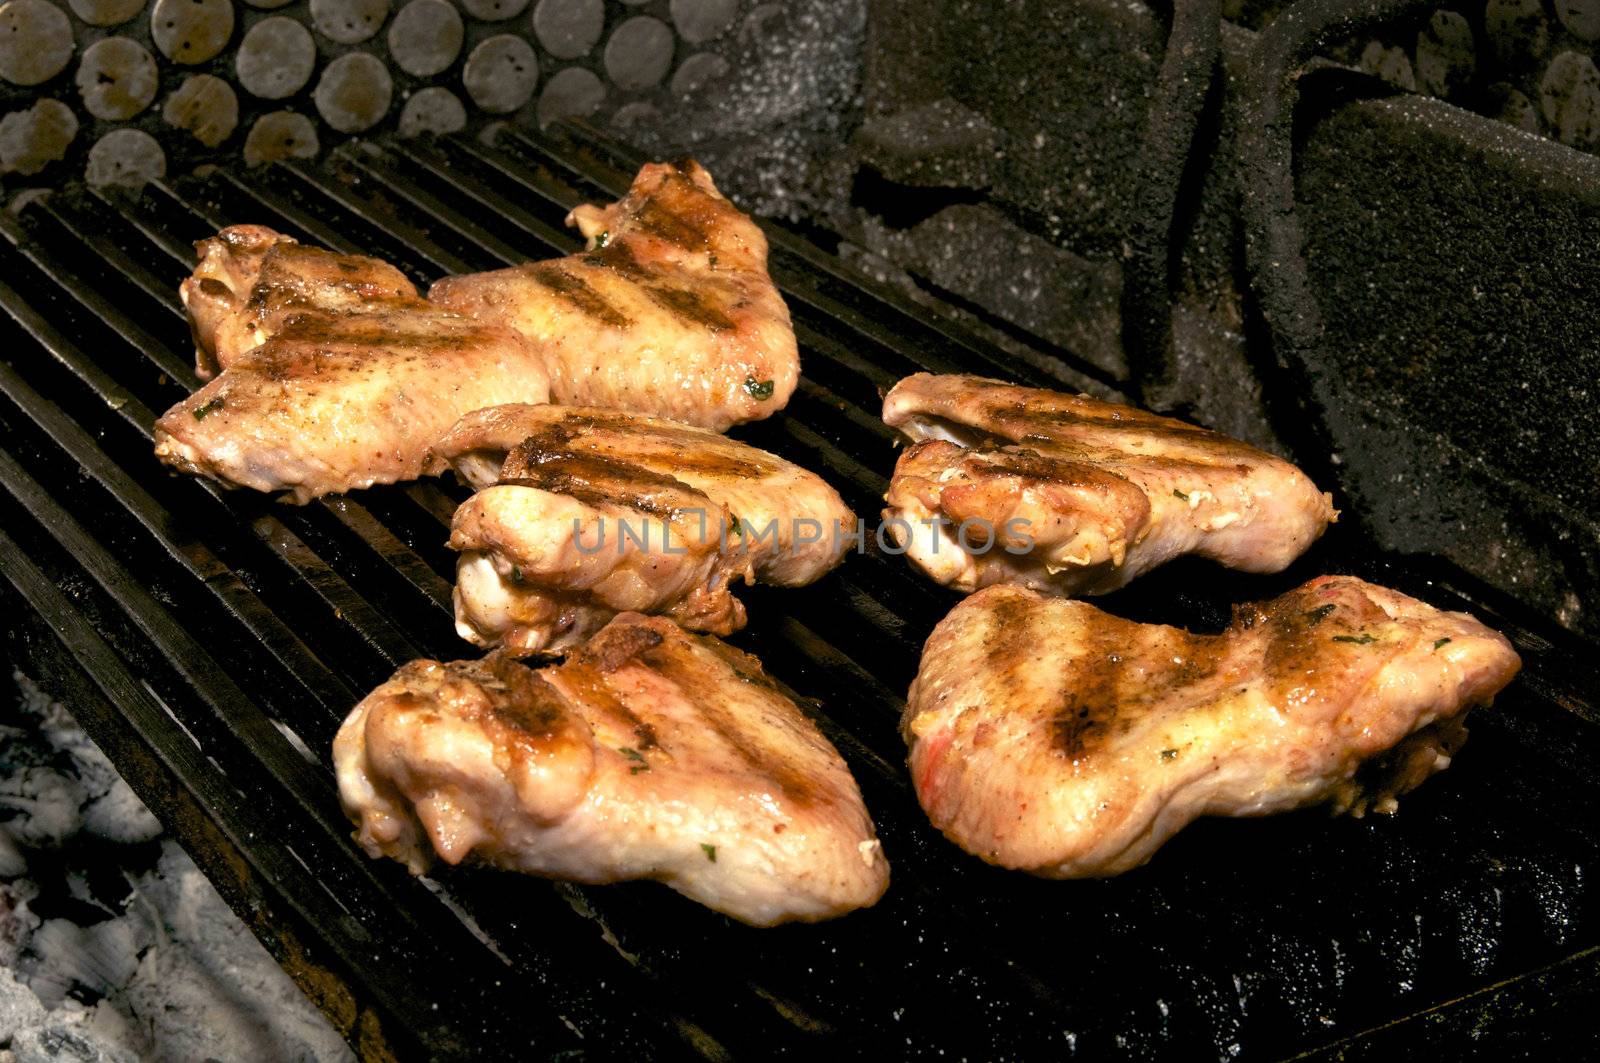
126	157
425	37
1518	32
35	41
501	74
635	115
348	21
106	12
639	53
1569	96
31	140
206	107
569	28
191	31
281	135
761	22
116	78
1581	17
572	93
698	71
1511	106
1446	57
432	110
703	20
1390	64
354	92
495	10
276	58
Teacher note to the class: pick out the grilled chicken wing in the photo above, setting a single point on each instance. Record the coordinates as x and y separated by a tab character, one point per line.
669	312
1050	737
584	513
334	402
649	753
250	280
1079	496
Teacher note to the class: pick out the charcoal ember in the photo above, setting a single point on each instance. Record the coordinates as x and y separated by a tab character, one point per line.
96	959
45	806
65	1042
12	862
19	1006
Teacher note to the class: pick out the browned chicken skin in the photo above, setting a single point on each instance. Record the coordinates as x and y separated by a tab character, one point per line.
335	376
1050	737
587	512
649	753
670	312
1071	494
250	279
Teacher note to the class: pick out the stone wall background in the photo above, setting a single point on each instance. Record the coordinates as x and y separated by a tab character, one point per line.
123	90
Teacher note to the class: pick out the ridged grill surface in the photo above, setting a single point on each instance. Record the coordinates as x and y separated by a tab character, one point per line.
232	633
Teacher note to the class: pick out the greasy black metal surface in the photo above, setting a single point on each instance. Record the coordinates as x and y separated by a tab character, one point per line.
1194	44
230	633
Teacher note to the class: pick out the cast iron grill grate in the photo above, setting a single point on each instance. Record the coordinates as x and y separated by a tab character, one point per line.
212	641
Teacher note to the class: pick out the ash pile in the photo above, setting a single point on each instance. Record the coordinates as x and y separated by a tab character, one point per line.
113	946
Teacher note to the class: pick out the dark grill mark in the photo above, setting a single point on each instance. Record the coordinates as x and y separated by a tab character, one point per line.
698	307
576	292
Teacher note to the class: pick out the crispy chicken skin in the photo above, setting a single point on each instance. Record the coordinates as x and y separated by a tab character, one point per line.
250	280
670	311
1082	496
583	513
335	402
648	754
1050	737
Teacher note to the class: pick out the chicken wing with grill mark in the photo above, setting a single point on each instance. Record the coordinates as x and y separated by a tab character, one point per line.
1050	737
669	312
1071	494
250	280
583	513
334	374
648	754
335	402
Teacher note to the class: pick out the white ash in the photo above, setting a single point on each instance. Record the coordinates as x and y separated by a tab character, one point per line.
113	946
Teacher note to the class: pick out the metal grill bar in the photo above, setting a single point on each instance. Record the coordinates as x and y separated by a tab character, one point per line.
1259	938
